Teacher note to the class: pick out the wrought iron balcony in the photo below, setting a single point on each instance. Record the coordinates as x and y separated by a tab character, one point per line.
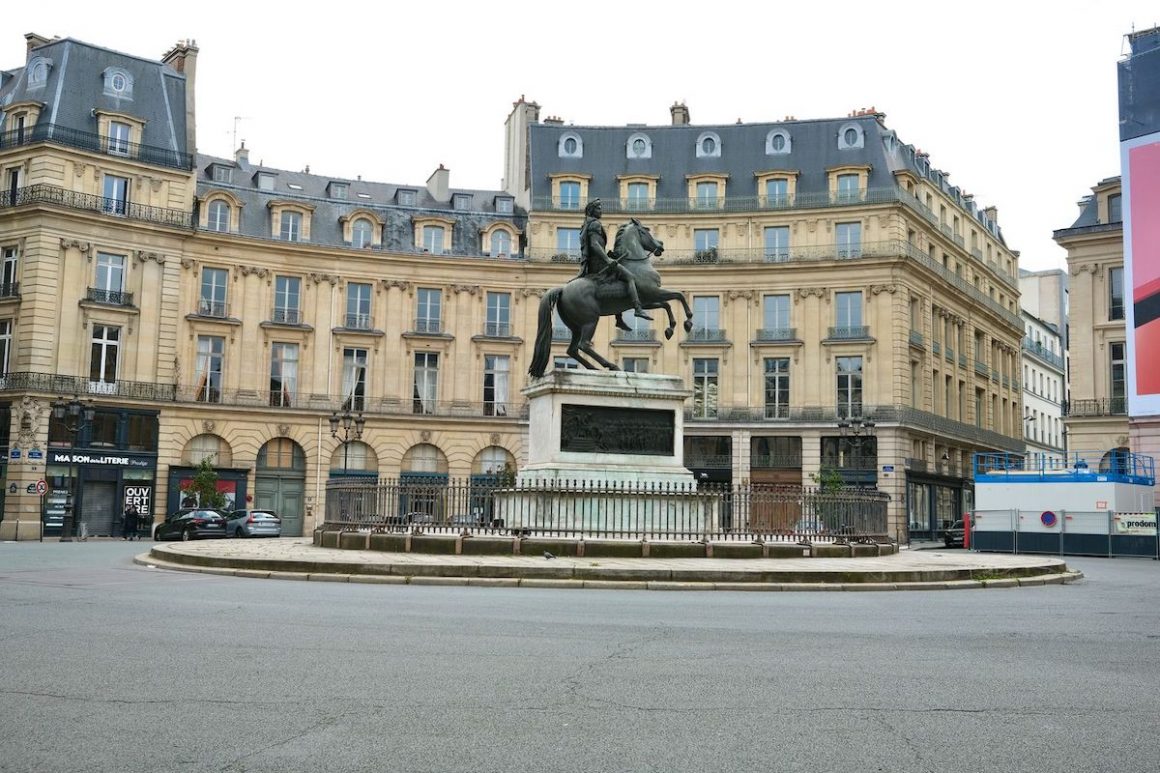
777	334
775	461
286	316
497	329
981	368
110	297
706	335
818	200
1038	350
647	334
855	332
1087	408
357	322
9	290
917	339
54	134
936	347
949	353
428	326
207	307
52	195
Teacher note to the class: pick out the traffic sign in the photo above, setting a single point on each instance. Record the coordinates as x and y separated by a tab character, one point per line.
41	487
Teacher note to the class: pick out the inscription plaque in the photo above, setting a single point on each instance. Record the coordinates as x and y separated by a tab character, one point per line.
598	430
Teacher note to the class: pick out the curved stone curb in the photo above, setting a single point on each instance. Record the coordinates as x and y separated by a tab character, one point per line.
816	581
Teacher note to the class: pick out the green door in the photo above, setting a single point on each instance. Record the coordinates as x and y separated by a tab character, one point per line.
280	483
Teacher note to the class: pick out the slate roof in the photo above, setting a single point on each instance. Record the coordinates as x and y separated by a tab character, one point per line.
313	190
75	87
814	148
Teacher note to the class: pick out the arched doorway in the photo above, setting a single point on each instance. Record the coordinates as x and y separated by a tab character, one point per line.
423	484
355	459
280	483
231	480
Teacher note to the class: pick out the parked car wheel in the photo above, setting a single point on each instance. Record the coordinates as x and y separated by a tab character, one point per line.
187	535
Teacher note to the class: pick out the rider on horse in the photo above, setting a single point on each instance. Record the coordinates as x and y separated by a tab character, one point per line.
595	260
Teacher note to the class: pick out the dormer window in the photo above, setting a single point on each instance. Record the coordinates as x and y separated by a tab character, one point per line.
639	146
38	72
777	142
570	146
339	190
503	205
265	181
850	137
708	146
117	83
222	174
405	197
461	201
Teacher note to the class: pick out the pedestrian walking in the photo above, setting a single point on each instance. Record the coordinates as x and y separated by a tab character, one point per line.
129	522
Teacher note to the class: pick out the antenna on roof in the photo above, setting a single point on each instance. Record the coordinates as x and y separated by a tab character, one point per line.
234	141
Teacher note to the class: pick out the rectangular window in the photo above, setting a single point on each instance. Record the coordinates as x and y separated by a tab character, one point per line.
5	345
287	300
848	188
1115	209
704	244
775	318
265	181
777	387
564	363
1115	293
568	241
9	278
1118	378
208	368
704	388
433	239
118	138
706	195
569	195
706	318
283	374
428	310
222	174
103	363
426	382
777	192
110	279
354	379
849	237
849	387
915	384
291	227
777	242
637	196
498	322
496	371
848	315
213	293
358	306
634	364
116	195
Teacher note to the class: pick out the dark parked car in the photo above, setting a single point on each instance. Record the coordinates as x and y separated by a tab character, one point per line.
191	523
953	537
253	523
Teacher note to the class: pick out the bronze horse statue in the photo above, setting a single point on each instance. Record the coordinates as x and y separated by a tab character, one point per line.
585	299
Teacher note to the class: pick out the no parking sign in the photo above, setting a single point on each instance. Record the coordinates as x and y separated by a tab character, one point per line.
1048	519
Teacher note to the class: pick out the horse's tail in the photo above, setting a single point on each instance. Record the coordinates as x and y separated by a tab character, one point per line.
543	347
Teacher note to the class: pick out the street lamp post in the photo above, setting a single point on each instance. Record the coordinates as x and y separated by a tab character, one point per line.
346	428
76	416
855	434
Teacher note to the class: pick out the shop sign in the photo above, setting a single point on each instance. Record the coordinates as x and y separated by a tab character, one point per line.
105	460
141	496
1136	524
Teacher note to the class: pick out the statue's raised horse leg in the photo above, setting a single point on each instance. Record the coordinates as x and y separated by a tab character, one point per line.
661	295
668	312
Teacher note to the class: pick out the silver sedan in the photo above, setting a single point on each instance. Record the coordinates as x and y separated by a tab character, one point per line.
253	523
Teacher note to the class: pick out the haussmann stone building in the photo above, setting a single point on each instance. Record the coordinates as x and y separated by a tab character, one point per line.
853	309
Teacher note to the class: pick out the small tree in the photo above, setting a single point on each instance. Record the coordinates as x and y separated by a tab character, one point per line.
203	487
828	505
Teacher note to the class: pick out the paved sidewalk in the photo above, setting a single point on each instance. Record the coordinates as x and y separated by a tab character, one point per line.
299	559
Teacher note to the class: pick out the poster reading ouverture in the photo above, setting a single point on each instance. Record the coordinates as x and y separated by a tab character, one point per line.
1140	165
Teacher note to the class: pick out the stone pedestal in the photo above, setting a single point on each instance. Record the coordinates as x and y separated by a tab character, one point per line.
607	427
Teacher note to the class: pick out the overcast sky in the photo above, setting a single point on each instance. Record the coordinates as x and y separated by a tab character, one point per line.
1017	101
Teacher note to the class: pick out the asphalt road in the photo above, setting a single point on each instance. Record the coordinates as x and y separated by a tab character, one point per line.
107	666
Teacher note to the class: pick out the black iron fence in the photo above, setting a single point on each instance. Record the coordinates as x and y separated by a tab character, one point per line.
606	510
61	197
55	134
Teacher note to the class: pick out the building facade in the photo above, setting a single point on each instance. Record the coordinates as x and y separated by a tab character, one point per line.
853	310
1044	388
1097	412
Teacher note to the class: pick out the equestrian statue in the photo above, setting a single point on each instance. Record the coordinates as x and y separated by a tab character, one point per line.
609	283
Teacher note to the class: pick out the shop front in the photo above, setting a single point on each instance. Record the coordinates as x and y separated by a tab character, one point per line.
99	487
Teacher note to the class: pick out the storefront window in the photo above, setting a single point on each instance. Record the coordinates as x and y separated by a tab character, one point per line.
103	430
141	432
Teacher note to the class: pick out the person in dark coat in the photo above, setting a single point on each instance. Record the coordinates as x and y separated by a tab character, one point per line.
129	522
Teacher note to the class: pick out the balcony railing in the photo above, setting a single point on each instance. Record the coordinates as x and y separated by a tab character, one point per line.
777	334
726	203
428	326
9	290
936	347
1036	349
497	329
916	338
561	334
357	322
981	368
95	143
706	335
775	461
949	353
636	335
110	297
286	316
60	197
207	307
849	333
1108	406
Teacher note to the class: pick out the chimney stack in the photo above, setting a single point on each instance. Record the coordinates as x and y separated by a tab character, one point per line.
554	120
183	59
438	184
680	113
36	41
992	214
242	155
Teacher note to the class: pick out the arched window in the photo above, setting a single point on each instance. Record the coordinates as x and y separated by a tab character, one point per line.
424	458
361	233
492	460
207	446
777	142
219	216
708	145
639	146
353	458
501	244
571	146
281	453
